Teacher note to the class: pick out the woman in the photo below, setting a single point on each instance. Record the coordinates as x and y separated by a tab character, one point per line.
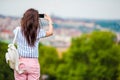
27	40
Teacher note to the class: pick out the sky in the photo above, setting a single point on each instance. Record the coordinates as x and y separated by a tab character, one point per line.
91	9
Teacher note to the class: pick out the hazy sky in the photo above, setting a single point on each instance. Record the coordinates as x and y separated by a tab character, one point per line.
96	9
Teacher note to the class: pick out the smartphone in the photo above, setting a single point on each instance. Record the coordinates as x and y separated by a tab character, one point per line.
41	15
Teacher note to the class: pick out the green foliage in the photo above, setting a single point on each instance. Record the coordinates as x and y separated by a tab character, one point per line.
48	58
91	57
5	72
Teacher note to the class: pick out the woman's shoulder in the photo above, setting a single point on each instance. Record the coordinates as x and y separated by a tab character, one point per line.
16	29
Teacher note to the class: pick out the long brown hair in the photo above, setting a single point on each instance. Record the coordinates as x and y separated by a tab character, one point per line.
30	25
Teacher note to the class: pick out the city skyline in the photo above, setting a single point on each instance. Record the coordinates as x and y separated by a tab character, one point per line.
91	9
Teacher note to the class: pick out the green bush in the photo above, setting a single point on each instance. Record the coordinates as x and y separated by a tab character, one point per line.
5	72
93	56
48	58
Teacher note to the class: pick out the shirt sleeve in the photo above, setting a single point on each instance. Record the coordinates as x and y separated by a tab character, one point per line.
42	33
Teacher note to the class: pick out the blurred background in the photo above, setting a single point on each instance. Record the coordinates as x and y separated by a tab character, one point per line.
85	44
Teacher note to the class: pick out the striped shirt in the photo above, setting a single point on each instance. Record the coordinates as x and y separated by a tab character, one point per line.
24	49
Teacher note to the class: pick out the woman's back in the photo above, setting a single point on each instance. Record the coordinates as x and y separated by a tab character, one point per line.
24	49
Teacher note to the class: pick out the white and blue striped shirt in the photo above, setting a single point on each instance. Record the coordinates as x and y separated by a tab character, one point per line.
24	49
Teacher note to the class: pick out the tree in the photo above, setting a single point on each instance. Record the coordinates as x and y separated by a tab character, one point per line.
5	72
48	58
94	56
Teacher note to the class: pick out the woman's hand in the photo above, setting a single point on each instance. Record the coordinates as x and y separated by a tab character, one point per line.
48	18
50	30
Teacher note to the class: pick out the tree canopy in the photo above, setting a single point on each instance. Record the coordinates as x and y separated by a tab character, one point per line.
94	56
